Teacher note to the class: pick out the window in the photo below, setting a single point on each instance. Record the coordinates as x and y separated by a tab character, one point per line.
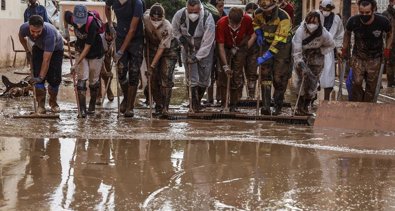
2	4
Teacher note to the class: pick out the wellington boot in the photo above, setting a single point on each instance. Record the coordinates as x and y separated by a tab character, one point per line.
327	93
53	95
124	88
166	94
251	89
266	91
110	94
94	90
82	101
132	92
40	97
195	99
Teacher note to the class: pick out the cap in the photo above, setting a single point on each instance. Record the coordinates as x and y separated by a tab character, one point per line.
80	14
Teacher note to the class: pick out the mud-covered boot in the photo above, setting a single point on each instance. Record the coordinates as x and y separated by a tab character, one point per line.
327	93
40	98
130	103
277	109
234	98
266	99
195	99
307	103
82	102
201	91
53	95
210	95
300	110
93	89
166	93
251	89
99	93
124	101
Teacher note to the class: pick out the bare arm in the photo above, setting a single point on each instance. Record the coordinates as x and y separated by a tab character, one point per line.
45	64
222	54
157	56
83	54
132	31
346	39
252	40
389	39
107	11
23	41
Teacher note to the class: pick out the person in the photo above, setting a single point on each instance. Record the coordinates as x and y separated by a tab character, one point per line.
162	59
287	7
250	66
369	29
129	44
47	59
90	60
233	34
272	27
219	4
390	66
334	25
309	45
34	8
194	28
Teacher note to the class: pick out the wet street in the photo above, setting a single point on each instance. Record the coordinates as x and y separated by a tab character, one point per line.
109	163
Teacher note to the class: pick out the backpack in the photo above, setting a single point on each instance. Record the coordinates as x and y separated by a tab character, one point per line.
95	16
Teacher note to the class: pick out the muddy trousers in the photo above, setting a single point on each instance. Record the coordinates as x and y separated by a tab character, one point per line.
368	70
106	75
250	70
390	68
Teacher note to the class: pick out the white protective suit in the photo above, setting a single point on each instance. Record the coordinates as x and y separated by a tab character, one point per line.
203	40
327	79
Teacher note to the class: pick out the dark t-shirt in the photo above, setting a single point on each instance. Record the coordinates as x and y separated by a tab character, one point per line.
36	10
368	38
91	38
50	39
125	13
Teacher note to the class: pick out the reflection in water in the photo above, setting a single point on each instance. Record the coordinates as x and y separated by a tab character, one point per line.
53	174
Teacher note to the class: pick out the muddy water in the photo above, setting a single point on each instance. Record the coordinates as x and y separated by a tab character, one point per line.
82	174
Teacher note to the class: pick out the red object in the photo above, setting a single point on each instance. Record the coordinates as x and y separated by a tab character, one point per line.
344	53
387	53
289	8
224	35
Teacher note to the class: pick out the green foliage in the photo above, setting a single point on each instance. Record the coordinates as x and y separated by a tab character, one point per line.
171	6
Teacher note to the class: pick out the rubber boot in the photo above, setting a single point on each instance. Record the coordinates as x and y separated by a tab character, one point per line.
53	95
201	91
300	110
307	103
251	89
166	93
94	90
99	93
233	100
130	103
327	93
195	99
266	99
123	106
210	95
40	98
110	94
218	95
82	101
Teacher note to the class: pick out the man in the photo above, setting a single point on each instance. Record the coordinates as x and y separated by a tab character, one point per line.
47	59
334	25
250	65
194	28
129	47
34	8
272	27
162	56
368	28
390	67
233	35
90	60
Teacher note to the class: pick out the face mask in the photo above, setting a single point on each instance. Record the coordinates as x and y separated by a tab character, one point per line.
249	15
156	24
393	7
193	17
311	27
122	1
326	13
365	18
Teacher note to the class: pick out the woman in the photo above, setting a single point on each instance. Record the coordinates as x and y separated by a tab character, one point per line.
310	43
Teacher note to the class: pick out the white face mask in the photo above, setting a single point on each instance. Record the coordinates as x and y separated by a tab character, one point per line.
326	13
393	6
250	14
122	1
311	27
156	24
193	17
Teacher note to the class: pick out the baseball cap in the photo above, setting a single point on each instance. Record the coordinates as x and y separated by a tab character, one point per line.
80	14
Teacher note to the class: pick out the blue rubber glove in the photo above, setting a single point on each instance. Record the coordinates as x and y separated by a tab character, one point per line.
268	55
259	37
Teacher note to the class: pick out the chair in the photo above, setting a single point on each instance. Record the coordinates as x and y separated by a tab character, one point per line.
16	51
